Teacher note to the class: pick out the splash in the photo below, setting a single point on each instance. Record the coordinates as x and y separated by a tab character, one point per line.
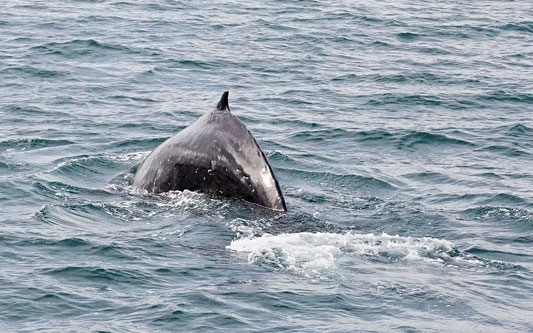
308	253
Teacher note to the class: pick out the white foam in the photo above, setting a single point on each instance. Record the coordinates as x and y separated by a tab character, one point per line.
182	199
248	227
312	253
136	156
70	162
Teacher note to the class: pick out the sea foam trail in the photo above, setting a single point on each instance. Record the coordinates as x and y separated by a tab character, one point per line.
310	253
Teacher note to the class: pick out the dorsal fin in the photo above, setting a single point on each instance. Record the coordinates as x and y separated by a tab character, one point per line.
223	103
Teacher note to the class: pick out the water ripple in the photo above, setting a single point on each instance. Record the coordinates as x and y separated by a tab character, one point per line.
408	119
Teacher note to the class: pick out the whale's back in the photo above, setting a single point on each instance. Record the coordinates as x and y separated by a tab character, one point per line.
217	155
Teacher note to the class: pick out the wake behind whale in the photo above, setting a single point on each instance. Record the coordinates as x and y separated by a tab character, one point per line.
216	155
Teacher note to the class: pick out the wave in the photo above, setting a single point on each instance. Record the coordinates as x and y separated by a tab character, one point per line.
141	143
407	36
505	96
85	171
72	244
24	110
390	99
506	199
187	63
415	77
507	151
429	176
82	208
512	217
34	71
132	98
78	216
317	254
519	129
410	77
32	144
398	139
519	26
347	181
413	138
60	190
83	164
320	135
79	48
94	273
279	158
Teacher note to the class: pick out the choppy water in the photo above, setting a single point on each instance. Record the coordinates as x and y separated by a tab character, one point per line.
401	134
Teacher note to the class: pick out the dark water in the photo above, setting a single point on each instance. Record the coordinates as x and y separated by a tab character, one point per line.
401	133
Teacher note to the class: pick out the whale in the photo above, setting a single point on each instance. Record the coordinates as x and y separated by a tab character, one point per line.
216	155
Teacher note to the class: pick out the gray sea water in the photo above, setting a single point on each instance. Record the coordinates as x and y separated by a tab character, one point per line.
400	132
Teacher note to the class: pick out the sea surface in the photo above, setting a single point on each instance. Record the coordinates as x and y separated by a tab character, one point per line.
401	133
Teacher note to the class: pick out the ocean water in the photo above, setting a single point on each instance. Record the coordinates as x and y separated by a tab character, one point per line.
400	132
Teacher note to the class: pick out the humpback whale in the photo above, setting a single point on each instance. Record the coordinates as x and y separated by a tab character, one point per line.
216	155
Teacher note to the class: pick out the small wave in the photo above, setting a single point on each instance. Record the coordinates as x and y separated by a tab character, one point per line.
519	218
135	156
274	26
408	77
90	162
407	36
278	158
343	40
23	110
32	143
166	204
88	214
67	215
78	47
374	135
399	139
69	161
519	129
347	181
379	43
55	189
413	138
505	96
189	64
141	143
33	71
99	274
428	176
316	254
507	151
14	166
48	192
520	26
489	175
293	101
433	50
83	165
495	253
506	199
133	98
320	135
63	243
389	99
